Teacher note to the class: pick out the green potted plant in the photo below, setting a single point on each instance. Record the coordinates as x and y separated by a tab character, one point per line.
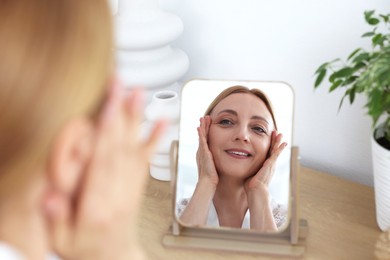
367	72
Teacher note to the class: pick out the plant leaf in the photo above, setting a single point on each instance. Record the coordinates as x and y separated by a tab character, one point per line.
353	53
364	56
344	72
378	39
349	81
387	103
320	77
351	95
368	34
359	65
373	21
336	84
322	67
341	101
385	17
374	105
368	14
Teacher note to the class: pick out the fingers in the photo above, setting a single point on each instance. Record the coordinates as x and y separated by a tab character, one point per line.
109	119
207	125
112	105
158	130
133	116
201	143
112	177
109	133
204	127
119	151
204	157
276	142
273	137
276	148
202	133
133	106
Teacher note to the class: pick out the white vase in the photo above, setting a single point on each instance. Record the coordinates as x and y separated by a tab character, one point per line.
165	104
145	57
381	169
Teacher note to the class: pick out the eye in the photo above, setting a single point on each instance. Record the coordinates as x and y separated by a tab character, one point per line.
259	130
225	122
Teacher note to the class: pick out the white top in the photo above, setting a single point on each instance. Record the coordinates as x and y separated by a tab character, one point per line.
7	252
212	219
278	210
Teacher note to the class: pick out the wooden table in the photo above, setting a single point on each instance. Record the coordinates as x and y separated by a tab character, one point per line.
341	216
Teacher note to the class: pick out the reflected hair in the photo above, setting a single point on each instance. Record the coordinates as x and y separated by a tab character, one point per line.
244	90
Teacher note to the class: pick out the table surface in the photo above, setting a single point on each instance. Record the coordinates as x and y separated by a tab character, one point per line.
340	213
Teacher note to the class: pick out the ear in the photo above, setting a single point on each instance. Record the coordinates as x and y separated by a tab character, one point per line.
71	152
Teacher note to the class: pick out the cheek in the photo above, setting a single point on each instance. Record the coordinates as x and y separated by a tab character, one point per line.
214	138
262	147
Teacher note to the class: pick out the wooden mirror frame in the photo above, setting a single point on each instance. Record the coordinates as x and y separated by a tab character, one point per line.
289	242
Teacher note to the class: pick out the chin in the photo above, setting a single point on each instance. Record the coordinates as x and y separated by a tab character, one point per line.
238	172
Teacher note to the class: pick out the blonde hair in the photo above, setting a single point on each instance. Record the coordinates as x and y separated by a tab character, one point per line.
56	57
241	89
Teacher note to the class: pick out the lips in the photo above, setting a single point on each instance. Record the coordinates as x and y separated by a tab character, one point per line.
238	153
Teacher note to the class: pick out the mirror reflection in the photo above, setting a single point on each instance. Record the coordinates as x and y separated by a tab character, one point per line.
234	154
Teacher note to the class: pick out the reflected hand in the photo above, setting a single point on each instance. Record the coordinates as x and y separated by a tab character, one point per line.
258	184
204	157
196	212
256	189
100	220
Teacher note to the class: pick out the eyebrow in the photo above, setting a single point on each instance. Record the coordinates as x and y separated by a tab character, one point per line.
230	111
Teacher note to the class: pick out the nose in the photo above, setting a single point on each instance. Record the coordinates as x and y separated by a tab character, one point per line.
241	134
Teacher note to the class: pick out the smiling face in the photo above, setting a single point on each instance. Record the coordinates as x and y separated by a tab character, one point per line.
240	135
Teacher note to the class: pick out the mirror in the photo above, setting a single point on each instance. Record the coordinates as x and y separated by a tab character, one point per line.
238	138
287	239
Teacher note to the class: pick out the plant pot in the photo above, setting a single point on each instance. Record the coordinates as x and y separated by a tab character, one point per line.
381	169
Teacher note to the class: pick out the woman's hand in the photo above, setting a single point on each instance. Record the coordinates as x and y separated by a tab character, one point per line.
100	221
197	210
256	188
261	180
204	158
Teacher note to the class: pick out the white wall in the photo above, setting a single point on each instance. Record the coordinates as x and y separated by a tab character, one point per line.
287	40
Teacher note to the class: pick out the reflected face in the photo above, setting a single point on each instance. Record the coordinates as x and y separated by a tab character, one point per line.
240	135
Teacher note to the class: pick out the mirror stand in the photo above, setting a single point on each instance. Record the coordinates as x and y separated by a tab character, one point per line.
290	242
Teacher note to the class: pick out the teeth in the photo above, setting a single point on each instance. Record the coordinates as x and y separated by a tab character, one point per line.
239	153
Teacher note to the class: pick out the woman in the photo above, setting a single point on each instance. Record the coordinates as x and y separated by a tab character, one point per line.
69	143
238	149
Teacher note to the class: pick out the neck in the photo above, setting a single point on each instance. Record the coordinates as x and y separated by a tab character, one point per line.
22	225
230	201
230	187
